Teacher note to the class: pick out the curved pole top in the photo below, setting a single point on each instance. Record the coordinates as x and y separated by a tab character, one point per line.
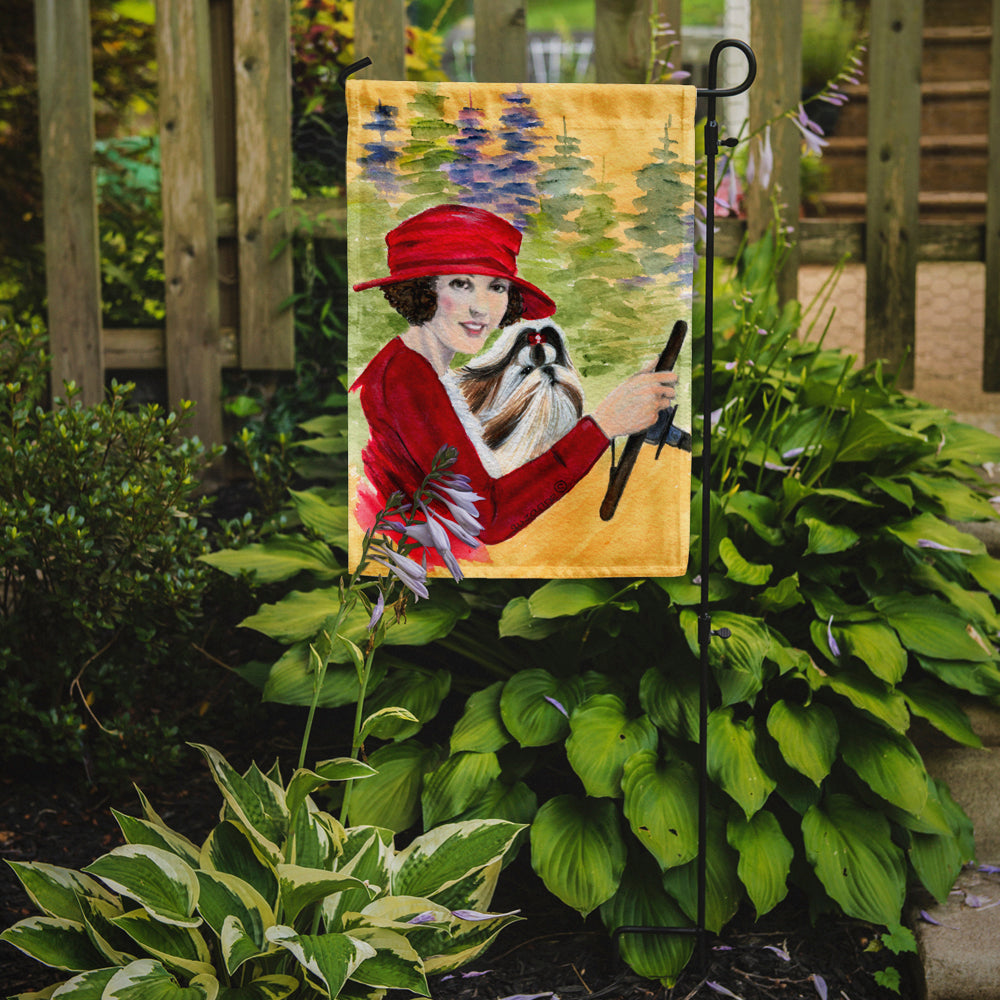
712	89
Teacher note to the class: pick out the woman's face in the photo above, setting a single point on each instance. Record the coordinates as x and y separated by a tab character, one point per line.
469	309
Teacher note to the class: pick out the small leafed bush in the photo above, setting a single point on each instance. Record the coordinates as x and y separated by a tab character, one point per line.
279	899
99	579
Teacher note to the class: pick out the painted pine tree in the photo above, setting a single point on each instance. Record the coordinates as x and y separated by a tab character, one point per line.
426	154
521	132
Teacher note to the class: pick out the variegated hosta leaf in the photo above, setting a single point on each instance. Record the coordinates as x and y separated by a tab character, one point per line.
395	965
535	706
441	857
146	979
850	847
300	887
765	858
274	987
807	736
723	889
229	848
416	690
466	940
86	986
391	799
461	779
661	805
99	916
315	839
642	902
578	851
304	782
481	726
888	763
56	891
330	959
142	831
227	897
255	800
366	856
601	739
159	881
177	947
475	891
732	760
54	941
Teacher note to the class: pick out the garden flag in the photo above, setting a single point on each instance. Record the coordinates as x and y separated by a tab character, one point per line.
521	261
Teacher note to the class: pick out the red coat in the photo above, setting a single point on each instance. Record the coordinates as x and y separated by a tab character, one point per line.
410	417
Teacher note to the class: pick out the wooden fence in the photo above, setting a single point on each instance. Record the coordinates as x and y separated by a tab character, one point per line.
224	108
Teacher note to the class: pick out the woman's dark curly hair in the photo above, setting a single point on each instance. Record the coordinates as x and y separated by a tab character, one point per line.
416	300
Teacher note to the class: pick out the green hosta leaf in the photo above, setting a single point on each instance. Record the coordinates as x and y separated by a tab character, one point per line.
54	941
391	798
481	727
888	763
738	662
870	436
765	858
328	520
732	760
758	511
850	847
928	528
877	646
438	859
301	887
229	849
738	569
986	571
418	691
601	739
783	595
975	605
56	891
530	706
577	850
966	443
641	902
304	782
517	620
516	803
661	806
956	501
330	958
828	539
142	831
163	884
933	702
291	680
807	736
395	965
931	628
976	678
178	947
147	979
937	860
225	897
259	805
683	592
866	692
278	558
723	889
893	488
453	786
670	698
559	598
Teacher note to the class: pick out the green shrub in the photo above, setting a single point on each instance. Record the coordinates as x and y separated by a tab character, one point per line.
99	580
279	900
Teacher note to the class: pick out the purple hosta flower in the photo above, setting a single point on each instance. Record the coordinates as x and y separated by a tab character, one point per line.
408	571
427	917
820	983
812	134
989	869
461	504
430	534
782	953
834	648
377	612
760	163
557	704
475	915
530	996
727	198
927	543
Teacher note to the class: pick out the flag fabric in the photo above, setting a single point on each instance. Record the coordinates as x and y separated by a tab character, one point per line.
517	254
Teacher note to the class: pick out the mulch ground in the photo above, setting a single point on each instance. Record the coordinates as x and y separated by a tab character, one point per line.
56	818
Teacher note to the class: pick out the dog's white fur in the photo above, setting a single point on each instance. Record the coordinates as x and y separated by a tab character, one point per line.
524	391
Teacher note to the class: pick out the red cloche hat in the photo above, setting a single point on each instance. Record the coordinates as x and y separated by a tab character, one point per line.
459	239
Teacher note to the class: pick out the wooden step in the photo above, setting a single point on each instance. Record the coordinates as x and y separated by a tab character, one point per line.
967	206
941	13
956	53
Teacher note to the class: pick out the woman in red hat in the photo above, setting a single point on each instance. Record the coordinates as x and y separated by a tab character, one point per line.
453	277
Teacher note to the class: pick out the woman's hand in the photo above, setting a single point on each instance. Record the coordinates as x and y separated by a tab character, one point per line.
636	403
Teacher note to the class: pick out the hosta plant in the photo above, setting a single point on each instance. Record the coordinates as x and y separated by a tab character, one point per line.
280	900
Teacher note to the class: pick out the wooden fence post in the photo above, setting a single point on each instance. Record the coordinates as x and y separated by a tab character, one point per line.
501	41
380	34
72	253
264	169
777	89
623	37
991	333
893	164
190	248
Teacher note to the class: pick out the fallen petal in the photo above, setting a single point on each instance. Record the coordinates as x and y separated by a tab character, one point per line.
780	952
552	701
719	988
820	983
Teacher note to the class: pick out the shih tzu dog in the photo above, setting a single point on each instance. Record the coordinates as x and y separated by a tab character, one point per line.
524	391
